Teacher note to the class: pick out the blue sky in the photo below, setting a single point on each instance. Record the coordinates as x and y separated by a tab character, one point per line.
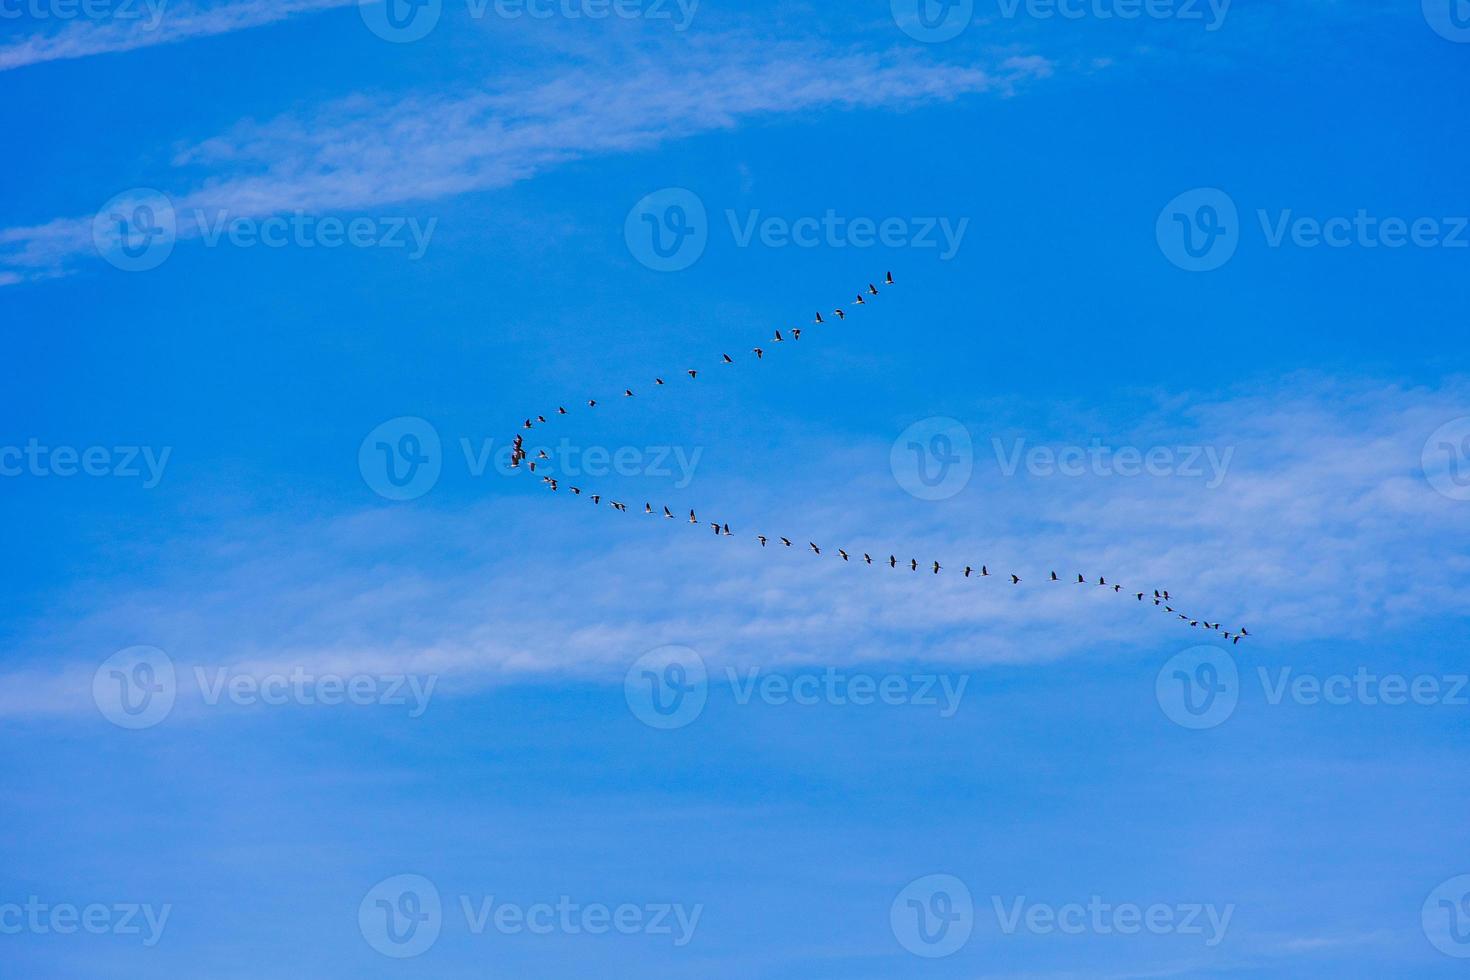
1179	300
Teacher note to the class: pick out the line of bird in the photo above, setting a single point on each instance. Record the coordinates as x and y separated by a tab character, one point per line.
518	452
1160	598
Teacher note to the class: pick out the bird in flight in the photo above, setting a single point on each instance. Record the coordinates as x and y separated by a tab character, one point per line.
727	358
758	353
763	539
818	317
692	373
786	541
888	279
1015	580
815	548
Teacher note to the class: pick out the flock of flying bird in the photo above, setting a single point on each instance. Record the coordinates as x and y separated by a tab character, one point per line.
1159	597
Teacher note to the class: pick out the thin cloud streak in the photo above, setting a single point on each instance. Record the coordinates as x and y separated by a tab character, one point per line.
332	596
360	153
157	23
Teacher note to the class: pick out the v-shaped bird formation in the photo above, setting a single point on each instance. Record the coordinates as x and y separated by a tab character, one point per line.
1158	597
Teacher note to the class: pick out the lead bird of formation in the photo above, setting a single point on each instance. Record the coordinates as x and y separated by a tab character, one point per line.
1160	598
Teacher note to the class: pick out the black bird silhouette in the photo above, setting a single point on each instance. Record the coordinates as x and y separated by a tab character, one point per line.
795	333
1081	580
867	558
648	508
762	539
592	403
627	392
727	359
1140	597
658	381
727	532
892	562
1015	580
692	518
815	548
778	337
842	553
560	410
575	490
913	564
888	279
597	498
786	541
528	424
968	570
668	513
818	317
758	353
540	418
1054	576
693	373
872	290
859	301
936	568
839	314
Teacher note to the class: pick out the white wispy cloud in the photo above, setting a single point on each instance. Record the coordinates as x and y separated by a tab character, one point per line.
361	153
1322	529
148	23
